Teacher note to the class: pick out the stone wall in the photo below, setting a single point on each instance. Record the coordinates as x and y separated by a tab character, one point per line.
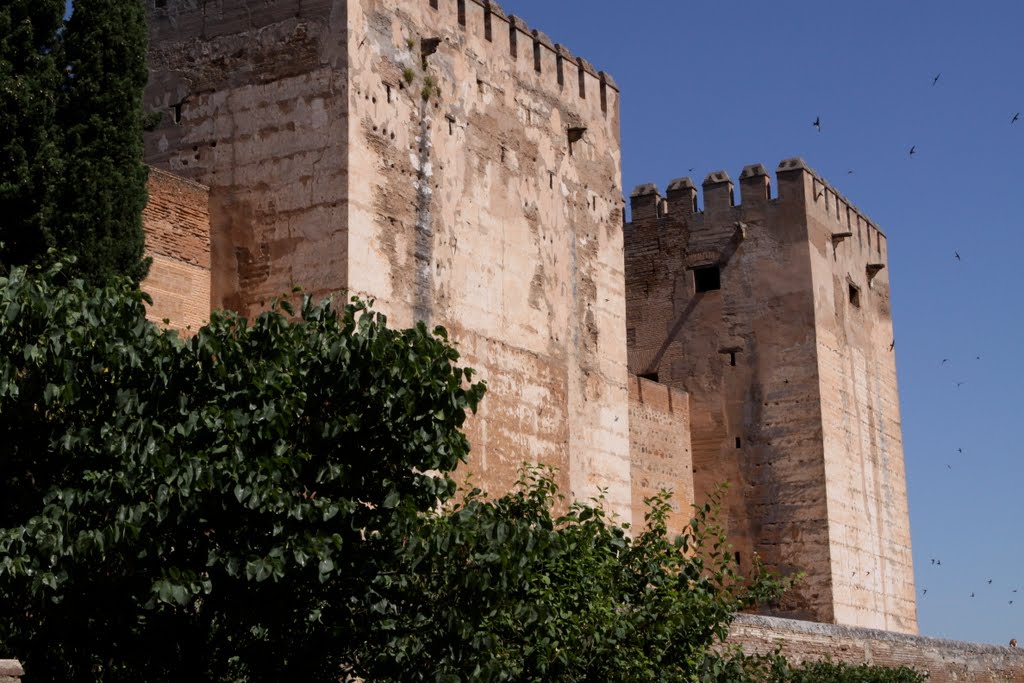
659	448
792	396
438	157
10	671
945	661
177	226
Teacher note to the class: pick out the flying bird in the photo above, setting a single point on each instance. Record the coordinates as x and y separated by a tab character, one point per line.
944	361
957	255
892	345
1015	118
959	384
936	79
817	123
960	451
990	581
913	150
972	595
925	592
850	172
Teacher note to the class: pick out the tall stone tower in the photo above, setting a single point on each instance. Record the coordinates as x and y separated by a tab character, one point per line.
774	316
439	157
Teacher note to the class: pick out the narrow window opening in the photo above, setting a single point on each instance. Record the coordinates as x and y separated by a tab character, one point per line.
583	83
560	67
732	358
512	46
854	295
739	442
487	25
707	278
737	556
551	180
387	89
451	124
604	97
652	376
176	112
462	13
503	152
536	56
575	134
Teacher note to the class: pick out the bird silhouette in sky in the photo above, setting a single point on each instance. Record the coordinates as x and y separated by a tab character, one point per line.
817	123
959	384
936	79
944	361
850	172
957	255
1015	118
913	150
960	451
892	345
925	592
972	595
990	581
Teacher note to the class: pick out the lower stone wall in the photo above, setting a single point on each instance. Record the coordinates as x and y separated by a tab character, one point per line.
177	226
945	661
10	671
659	448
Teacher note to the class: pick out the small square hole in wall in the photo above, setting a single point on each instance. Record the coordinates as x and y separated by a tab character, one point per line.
707	278
854	295
653	376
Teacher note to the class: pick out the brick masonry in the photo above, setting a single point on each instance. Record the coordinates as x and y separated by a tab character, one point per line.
177	226
659	448
945	661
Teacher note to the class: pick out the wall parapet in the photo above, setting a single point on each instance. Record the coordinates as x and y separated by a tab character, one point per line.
944	660
718	194
550	60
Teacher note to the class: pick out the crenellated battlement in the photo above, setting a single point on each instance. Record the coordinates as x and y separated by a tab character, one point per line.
531	50
798	185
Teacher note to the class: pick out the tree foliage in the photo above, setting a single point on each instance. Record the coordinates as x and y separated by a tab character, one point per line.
30	81
71	119
220	504
273	501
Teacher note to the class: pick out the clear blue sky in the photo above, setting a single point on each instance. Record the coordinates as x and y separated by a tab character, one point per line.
720	85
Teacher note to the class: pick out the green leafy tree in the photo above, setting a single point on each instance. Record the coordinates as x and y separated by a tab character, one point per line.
30	81
506	590
98	215
209	509
272	501
71	120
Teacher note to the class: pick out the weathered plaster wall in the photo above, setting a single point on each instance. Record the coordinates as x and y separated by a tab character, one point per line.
659	448
472	212
767	403
177	226
946	661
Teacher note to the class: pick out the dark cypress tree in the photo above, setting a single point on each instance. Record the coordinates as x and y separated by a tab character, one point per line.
103	191
30	79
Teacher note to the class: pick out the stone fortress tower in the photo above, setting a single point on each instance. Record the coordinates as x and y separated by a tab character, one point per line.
438	157
773	314
460	168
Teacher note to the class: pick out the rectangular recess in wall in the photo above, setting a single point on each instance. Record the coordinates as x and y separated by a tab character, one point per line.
707	278
462	13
